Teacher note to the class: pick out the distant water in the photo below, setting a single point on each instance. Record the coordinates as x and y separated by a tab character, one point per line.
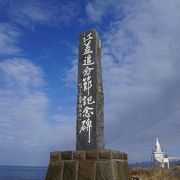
22	173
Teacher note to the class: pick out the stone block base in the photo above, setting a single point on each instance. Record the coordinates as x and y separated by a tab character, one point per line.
88	165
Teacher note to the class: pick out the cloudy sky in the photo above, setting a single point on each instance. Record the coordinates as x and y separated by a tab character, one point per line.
38	63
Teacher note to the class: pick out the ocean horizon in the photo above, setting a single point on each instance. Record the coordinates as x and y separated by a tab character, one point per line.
39	172
23	172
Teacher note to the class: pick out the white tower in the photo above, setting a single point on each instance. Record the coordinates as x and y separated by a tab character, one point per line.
158	156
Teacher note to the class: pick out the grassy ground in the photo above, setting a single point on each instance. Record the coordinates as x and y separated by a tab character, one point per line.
155	173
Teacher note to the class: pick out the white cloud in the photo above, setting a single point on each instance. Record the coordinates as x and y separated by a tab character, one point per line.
140	61
97	10
94	13
30	13
71	74
28	128
9	37
24	105
22	101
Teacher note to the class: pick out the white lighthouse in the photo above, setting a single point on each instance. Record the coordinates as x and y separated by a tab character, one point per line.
159	158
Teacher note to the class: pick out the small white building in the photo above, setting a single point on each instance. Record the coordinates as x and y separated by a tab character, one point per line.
159	158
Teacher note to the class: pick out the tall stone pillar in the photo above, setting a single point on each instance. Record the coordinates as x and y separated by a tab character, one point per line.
90	161
90	103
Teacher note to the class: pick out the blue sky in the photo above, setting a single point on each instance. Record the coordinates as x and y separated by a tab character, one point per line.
38	75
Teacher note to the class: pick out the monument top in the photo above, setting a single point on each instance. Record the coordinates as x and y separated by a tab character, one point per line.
90	100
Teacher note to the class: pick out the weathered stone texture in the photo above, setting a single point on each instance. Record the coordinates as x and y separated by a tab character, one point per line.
79	155
87	170
55	172
104	170
96	114
123	170
106	154
67	155
55	157
90	161
70	170
88	165
92	154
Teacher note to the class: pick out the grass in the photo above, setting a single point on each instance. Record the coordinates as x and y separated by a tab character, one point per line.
155	173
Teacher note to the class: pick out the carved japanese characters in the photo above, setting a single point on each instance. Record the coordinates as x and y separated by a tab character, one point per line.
90	121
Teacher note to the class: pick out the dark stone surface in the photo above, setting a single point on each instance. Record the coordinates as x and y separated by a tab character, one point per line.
87	111
117	155
105	154
123	170
88	165
55	171
92	154
104	170
66	155
115	171
87	170
90	161
70	170
57	156
79	155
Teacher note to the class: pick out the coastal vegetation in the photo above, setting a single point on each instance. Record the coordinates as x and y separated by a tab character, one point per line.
155	173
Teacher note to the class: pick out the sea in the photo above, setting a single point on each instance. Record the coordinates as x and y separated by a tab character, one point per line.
39	172
22	173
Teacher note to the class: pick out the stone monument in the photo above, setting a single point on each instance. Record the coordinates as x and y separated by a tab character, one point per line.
90	161
90	115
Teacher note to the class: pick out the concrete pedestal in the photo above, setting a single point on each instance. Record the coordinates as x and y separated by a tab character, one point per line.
88	165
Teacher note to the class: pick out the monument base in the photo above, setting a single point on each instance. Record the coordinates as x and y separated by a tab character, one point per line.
88	165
